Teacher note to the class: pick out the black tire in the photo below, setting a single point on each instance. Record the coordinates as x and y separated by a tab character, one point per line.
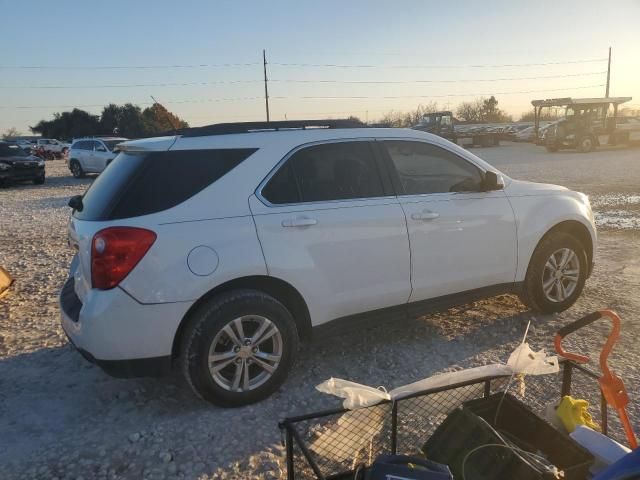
39	180
205	326
533	294
586	144
76	169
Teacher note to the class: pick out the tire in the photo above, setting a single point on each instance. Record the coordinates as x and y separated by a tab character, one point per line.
76	169
540	271
207	333
39	181
586	144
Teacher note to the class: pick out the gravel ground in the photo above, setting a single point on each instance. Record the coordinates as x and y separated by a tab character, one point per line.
63	418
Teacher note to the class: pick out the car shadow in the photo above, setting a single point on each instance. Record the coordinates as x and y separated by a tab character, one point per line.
49	395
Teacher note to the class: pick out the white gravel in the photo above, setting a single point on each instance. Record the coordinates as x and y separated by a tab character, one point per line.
63	418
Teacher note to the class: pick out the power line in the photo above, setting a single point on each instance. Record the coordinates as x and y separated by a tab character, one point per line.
126	67
131	85
442	96
237	99
250	64
289	80
437	81
334	65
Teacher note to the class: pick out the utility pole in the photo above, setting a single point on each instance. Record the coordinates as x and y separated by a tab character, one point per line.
608	74
266	90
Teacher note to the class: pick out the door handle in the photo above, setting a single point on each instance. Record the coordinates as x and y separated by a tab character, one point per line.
425	215
299	222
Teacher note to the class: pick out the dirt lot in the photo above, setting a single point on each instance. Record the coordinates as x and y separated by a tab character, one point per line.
63	418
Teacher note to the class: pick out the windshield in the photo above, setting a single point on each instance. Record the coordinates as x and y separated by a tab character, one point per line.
11	151
111	143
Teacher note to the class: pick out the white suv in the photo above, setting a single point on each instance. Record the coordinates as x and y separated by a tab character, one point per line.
220	248
92	155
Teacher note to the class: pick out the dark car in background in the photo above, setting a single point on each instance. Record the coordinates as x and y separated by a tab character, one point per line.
17	166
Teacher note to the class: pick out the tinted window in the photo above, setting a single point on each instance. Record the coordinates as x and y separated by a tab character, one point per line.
332	171
11	150
143	183
282	188
83	145
424	168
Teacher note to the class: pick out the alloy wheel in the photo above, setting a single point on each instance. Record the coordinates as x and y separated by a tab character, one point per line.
245	353
561	275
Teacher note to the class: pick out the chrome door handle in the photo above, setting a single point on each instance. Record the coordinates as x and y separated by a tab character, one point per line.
299	222
425	215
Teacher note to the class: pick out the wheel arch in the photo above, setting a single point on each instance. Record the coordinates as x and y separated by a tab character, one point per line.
279	289
576	229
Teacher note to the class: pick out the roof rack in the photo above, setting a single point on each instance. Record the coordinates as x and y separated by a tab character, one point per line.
248	127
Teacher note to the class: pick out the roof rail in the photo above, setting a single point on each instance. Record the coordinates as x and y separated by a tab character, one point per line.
248	127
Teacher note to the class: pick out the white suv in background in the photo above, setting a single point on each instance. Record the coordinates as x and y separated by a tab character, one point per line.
220	248
92	155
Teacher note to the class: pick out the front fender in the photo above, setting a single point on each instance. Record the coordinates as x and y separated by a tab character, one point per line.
537	215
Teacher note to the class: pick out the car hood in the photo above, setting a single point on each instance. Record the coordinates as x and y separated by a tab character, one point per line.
521	188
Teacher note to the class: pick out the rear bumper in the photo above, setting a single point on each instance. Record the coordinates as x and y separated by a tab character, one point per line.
120	335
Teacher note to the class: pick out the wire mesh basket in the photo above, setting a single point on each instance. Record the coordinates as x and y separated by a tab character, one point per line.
331	444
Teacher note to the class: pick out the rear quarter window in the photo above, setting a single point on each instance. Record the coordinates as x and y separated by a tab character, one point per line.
138	184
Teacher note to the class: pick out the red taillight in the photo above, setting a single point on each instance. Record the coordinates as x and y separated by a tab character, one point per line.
114	253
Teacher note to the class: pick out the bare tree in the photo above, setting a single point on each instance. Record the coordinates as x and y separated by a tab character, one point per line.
408	119
11	133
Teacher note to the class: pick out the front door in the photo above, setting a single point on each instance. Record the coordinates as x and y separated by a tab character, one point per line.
330	226
462	238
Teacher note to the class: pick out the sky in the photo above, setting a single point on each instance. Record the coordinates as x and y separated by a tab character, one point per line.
203	59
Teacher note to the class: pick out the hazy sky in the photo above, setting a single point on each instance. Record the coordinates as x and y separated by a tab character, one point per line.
460	42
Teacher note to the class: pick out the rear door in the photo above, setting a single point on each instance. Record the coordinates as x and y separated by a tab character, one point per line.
330	226
461	238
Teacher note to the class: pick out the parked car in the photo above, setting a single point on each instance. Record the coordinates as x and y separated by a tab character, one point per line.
222	248
57	148
17	166
92	155
26	145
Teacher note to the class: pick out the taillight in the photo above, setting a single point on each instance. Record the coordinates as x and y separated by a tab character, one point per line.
115	251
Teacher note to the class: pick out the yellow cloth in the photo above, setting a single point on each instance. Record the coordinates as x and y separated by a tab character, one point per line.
573	412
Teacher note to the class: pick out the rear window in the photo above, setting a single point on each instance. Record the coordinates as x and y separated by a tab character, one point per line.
148	182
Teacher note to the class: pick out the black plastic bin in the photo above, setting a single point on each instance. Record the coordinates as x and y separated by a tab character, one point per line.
516	424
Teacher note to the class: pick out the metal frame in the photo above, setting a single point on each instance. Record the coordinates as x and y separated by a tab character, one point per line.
292	437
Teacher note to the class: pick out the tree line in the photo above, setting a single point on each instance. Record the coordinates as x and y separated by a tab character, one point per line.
127	120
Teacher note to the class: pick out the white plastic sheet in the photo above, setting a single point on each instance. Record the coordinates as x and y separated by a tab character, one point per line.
526	361
356	395
522	360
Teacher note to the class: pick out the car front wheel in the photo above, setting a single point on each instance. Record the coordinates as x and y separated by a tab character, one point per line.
556	274
76	169
238	348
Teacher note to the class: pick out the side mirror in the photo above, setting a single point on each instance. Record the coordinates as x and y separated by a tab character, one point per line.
75	203
492	181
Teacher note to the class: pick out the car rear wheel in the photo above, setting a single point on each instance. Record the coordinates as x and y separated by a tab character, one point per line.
556	274
238	348
39	180
76	169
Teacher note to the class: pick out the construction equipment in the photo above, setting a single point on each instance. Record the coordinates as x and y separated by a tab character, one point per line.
587	123
446	126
